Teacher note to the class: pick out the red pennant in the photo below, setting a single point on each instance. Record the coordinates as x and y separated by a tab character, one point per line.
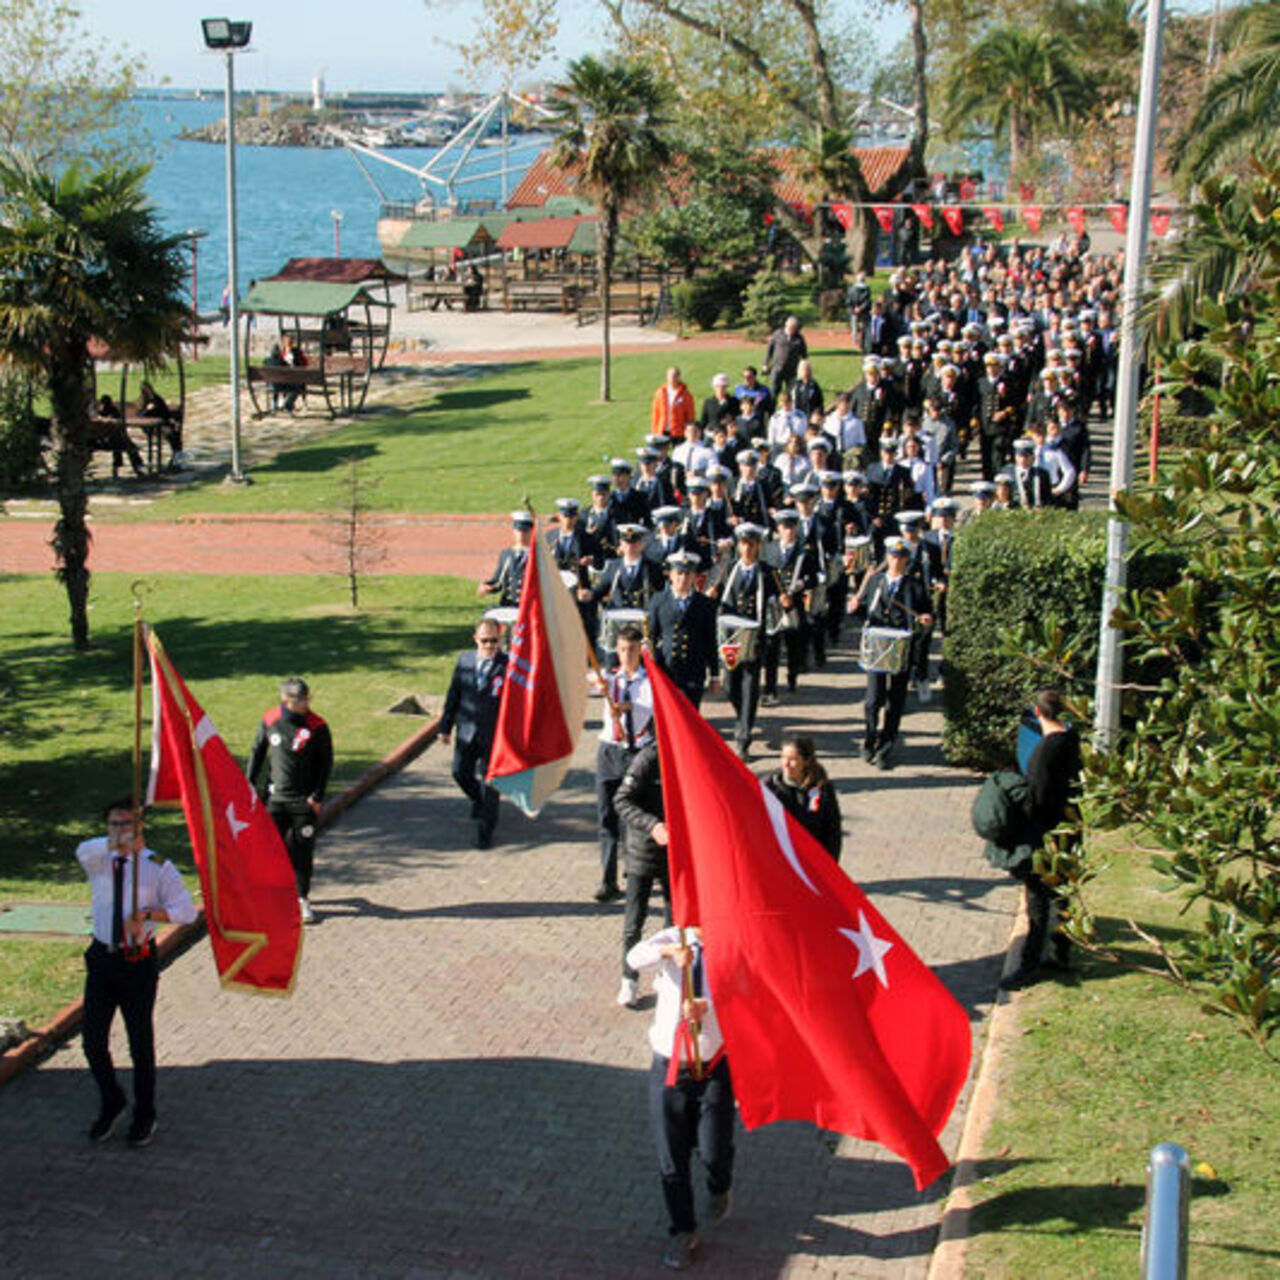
768	219
1075	216
827	1013
1160	221
1026	192
1119	216
968	189
844	214
994	216
1032	215
250	894
953	216
884	216
925	214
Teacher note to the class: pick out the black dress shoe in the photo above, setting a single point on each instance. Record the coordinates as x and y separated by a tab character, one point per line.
1018	979
607	893
484	837
105	1125
142	1131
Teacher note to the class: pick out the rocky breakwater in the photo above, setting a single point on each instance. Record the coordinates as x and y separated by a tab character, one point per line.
267	131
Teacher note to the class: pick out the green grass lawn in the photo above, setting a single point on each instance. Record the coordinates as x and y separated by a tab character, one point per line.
66	719
1104	1069
481	444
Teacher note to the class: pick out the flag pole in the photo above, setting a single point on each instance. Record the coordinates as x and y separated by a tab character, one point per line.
694	1024
136	793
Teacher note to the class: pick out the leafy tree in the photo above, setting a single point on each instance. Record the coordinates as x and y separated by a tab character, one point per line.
612	114
1194	774
82	257
1025	83
1240	111
61	95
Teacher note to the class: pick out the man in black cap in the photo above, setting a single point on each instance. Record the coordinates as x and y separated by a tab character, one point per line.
1032	486
471	706
890	489
598	523
682	630
289	767
507	577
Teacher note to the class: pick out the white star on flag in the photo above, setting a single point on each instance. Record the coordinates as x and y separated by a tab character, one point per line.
871	950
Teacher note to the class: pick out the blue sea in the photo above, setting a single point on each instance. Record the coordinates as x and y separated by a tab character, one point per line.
285	196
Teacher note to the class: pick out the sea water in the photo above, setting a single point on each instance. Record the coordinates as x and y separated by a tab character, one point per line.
285	196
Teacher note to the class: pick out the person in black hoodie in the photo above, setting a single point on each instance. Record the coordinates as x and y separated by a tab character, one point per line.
1053	781
801	783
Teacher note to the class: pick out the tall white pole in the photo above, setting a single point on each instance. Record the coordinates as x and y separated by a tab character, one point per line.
233	271
1110	654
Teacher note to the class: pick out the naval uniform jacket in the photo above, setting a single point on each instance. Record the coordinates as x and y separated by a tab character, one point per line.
684	640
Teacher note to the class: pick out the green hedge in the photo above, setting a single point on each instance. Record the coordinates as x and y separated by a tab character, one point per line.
1009	569
710	299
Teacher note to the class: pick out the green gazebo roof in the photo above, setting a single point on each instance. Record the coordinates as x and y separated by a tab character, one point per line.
306	298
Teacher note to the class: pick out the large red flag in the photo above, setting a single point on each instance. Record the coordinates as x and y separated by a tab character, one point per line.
250	895
827	1014
544	699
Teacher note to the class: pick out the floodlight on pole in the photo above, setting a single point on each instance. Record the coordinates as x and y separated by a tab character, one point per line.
226	37
336	215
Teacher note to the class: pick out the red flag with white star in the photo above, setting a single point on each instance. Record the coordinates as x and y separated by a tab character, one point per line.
827	1014
250	895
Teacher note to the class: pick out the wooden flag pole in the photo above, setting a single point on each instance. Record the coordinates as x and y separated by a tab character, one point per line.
695	1025
136	794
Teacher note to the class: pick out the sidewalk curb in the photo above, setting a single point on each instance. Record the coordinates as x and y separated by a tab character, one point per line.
177	938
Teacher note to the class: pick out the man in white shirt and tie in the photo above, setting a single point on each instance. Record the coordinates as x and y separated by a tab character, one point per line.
133	890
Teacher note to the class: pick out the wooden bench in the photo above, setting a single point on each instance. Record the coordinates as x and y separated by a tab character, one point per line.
624	300
110	435
282	377
542	295
424	294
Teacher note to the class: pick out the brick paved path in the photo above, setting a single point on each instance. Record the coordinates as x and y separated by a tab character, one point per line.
452	1092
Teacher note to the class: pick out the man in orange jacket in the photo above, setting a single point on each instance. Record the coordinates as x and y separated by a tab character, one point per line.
672	408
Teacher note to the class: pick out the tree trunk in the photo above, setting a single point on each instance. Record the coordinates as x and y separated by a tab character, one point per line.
919	90
862	239
608	229
69	395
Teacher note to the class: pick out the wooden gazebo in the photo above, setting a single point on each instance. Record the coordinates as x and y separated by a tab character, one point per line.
331	328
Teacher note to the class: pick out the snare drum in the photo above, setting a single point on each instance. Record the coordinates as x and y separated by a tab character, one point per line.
505	616
739	639
885	649
613	620
858	553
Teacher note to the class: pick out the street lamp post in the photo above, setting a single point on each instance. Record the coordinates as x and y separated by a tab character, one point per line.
336	215
226	37
194	236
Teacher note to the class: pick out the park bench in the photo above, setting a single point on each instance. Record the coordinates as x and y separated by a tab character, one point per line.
424	294
542	295
283	377
627	298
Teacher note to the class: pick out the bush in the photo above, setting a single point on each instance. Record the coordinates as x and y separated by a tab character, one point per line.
704	300
20	433
768	303
1012	572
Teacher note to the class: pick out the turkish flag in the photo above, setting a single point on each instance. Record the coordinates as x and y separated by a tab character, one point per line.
827	1014
953	216
968	189
1032	215
1026	192
924	214
250	894
1160	221
843	214
1119	216
1075	216
884	216
994	216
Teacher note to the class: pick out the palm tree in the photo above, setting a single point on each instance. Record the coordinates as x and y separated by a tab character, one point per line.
1023	82
81	257
612	113
1240	111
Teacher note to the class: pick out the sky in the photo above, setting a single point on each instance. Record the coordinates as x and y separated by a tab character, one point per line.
382	44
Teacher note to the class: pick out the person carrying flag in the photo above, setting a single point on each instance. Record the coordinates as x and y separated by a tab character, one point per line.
690	1090
121	966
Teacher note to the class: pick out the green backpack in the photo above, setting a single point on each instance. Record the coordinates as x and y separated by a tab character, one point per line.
1000	818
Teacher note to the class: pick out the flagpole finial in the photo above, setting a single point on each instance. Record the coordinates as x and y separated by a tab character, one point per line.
139	587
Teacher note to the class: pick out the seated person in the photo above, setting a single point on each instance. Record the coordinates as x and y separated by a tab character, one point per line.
151	404
112	434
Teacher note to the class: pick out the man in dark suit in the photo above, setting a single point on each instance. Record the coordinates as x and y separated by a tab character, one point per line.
472	707
880	336
785	350
1032	486
682	630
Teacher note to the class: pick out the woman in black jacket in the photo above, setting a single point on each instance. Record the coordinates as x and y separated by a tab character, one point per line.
801	783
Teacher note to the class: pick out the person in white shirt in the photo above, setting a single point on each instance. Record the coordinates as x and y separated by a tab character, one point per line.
693	453
690	1091
785	423
132	891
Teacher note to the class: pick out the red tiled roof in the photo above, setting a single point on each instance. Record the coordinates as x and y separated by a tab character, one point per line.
336	270
544	179
545	233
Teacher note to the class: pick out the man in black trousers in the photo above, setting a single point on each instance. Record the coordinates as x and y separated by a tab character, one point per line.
471	706
121	965
682	630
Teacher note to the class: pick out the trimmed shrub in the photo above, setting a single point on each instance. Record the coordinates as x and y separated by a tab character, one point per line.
704	300
768	303
1009	570
20	434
